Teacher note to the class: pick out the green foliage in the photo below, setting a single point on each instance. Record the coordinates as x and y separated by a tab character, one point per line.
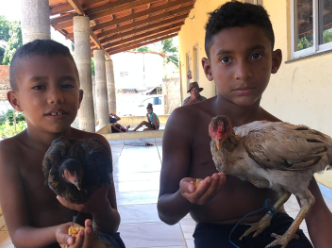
8	118
327	35
171	51
304	42
4	29
141	49
7	130
93	67
14	42
7	126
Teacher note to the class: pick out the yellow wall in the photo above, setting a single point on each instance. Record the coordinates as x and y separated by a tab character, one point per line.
300	93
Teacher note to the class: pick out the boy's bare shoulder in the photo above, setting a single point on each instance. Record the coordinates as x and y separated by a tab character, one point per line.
10	148
79	134
189	118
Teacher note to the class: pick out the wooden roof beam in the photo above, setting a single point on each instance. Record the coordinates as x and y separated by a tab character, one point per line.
76	6
129	17
163	16
123	49
61	8
145	28
115	7
146	12
145	36
146	22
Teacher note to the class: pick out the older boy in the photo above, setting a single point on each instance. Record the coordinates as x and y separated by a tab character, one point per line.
239	44
45	87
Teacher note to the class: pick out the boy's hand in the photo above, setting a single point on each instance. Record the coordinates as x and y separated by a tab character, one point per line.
97	202
205	191
84	238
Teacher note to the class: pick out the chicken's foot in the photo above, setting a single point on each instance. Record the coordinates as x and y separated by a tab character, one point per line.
264	222
283	240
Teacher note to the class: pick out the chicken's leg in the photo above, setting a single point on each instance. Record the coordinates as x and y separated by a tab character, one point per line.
306	203
265	221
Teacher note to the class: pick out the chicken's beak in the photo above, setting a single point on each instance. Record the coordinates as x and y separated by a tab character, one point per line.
78	185
218	144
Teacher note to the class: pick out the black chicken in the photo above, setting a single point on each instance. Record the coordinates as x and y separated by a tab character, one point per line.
76	168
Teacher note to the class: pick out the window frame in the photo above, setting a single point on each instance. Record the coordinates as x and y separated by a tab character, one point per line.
316	48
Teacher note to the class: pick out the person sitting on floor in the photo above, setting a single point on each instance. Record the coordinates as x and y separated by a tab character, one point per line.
153	120
117	127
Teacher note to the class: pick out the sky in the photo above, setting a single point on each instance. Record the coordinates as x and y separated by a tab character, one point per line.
11	9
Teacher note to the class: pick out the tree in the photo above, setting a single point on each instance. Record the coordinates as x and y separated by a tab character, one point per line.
170	51
14	42
4	35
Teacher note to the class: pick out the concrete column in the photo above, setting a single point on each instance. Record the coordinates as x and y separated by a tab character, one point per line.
110	86
83	62
35	20
101	88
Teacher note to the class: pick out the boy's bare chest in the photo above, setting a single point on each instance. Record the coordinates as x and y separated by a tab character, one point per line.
41	201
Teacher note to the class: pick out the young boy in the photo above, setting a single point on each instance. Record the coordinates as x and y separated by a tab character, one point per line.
45	87
240	58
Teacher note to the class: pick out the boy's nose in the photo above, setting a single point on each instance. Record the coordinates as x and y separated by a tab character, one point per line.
243	71
55	97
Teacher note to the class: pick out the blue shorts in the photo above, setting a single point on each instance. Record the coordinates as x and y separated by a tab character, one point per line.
111	240
216	236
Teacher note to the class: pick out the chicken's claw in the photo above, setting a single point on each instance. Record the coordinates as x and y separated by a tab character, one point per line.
282	240
258	226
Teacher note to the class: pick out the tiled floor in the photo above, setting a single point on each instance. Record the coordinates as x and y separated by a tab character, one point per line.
136	175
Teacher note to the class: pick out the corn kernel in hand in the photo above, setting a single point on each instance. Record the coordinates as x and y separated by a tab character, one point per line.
74	230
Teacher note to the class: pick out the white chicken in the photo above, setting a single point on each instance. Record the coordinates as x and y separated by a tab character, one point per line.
275	155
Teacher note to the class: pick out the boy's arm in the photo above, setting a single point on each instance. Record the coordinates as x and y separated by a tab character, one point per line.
319	219
172	206
177	193
13	203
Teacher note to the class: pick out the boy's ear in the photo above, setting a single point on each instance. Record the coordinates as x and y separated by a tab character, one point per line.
12	99
207	68
81	93
276	60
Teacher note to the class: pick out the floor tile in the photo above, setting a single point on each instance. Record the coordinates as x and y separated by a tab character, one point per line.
151	235
137	197
5	241
143	213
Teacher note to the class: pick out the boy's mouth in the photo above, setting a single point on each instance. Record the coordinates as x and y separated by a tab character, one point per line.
56	113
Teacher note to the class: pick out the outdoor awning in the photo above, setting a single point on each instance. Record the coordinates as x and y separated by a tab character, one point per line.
121	25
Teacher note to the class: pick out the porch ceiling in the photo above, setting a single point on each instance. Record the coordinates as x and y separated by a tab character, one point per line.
121	25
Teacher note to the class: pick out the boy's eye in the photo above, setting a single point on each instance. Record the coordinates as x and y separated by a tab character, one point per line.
38	87
67	86
256	56
225	60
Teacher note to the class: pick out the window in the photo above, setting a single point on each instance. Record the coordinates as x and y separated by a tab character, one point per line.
257	2
188	71
311	27
196	63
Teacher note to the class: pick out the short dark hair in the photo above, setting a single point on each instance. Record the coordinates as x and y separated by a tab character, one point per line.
149	106
37	47
237	14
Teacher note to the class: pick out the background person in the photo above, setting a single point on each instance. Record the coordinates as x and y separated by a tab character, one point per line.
153	120
194	97
117	127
